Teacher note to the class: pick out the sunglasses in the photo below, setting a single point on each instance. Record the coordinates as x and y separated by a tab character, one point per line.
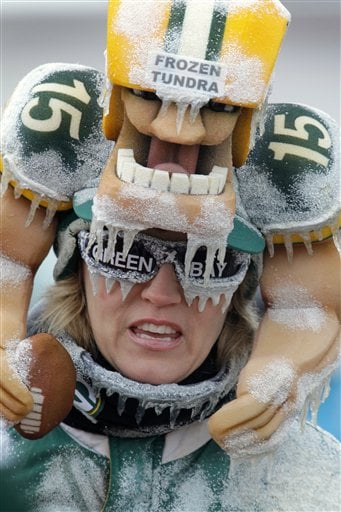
141	262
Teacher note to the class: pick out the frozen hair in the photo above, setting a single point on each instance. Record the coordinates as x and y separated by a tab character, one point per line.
65	309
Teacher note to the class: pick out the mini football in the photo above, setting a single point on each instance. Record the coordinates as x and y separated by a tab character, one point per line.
52	382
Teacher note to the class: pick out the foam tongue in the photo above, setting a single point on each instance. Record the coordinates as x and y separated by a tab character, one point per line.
171	157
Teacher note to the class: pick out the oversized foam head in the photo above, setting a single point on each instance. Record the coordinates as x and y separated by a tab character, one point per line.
190	52
183	81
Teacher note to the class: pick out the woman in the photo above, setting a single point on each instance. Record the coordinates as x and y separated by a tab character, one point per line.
151	368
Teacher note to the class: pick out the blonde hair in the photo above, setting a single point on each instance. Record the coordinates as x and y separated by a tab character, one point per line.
65	309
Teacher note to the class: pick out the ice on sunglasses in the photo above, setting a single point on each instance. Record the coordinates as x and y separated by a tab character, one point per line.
203	274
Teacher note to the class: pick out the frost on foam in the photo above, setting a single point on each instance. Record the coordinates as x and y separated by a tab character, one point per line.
19	357
162	210
312	390
273	384
293	307
210	229
48	173
303	469
12	273
140	24
245	81
312	201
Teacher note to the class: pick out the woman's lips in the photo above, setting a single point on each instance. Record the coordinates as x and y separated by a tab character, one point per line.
155	335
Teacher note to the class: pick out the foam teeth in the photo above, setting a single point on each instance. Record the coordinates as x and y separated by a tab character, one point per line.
195	184
179	183
143	176
160	181
199	184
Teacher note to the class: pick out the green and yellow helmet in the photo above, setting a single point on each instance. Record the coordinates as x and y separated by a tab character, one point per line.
184	50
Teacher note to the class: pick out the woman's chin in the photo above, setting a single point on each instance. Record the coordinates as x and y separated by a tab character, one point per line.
156	377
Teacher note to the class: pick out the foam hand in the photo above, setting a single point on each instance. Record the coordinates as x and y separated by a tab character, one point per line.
52	145
295	351
22	250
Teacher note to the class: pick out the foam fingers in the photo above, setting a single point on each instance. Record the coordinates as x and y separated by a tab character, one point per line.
234	415
332	355
15	399
261	435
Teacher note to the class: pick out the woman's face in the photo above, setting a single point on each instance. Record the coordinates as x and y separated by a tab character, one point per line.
152	336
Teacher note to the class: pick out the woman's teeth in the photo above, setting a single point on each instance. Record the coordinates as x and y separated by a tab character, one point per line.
129	171
152	331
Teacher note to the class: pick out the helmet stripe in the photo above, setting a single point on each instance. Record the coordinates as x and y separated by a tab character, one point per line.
217	30
185	19
196	21
176	19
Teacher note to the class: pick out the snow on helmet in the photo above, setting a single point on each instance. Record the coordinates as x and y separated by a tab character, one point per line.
225	50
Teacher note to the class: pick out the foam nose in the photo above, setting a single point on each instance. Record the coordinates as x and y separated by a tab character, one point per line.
176	126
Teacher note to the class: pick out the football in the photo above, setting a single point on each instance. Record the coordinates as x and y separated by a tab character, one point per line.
52	382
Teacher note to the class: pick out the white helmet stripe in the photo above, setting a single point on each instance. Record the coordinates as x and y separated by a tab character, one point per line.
197	20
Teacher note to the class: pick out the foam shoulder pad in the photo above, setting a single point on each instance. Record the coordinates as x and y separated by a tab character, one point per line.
289	184
52	133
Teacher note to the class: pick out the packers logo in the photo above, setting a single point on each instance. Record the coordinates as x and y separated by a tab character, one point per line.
86	400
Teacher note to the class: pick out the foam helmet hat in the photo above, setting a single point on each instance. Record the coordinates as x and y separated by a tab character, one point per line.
225	51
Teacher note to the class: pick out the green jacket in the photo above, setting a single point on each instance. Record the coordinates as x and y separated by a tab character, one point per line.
184	471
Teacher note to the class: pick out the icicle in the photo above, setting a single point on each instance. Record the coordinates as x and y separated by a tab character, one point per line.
195	411
304	414
92	236
221	253
180	116
126	286
139	414
192	248
50	213
227	301
121	404
210	255
195	109
289	247
109	283
158	408
17	191
94	277
174	412
189	297
307	242
319	235
337	239
104	99
128	241
99	239
6	177
202	303
215	299
326	390
34	206
270	244
317	397
164	107
112	238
